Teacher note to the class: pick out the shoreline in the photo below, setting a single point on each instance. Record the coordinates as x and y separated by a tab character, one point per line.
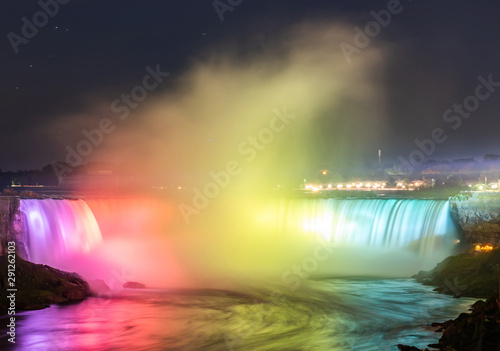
39	286
467	275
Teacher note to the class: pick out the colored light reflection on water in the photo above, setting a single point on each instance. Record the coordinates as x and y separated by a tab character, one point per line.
334	314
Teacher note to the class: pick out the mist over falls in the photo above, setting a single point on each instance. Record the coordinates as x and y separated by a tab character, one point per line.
222	105
145	239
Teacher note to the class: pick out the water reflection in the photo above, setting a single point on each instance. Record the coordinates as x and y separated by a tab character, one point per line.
333	314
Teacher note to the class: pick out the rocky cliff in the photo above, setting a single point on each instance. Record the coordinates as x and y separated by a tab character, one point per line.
478	214
38	286
477	330
11	228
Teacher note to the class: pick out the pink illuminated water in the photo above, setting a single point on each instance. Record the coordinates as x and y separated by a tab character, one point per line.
59	229
117	240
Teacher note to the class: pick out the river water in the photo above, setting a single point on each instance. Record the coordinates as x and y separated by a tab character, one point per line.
328	314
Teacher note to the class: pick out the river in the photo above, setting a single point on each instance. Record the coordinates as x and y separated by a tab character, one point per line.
327	314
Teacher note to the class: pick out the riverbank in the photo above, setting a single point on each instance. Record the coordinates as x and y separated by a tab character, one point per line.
478	330
38	286
471	274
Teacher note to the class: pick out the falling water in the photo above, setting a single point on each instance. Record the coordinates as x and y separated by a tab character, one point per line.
383	223
389	237
58	229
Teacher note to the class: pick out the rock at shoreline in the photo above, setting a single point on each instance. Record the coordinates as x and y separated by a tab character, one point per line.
478	330
39	285
98	286
133	285
469	274
475	275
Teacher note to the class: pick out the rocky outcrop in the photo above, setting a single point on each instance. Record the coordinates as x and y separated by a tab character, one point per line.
133	285
478	214
11	228
98	287
38	286
471	274
478	330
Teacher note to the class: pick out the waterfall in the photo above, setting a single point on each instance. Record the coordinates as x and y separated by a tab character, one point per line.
374	223
369	236
379	223
58	229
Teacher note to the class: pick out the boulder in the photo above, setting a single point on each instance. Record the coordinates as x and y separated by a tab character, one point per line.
98	286
133	285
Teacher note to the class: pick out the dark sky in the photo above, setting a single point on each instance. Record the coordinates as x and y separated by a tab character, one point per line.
436	52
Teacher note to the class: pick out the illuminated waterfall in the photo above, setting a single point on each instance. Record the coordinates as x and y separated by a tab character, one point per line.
377	223
372	236
57	229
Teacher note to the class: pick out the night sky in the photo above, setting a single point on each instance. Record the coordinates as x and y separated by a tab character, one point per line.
434	52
